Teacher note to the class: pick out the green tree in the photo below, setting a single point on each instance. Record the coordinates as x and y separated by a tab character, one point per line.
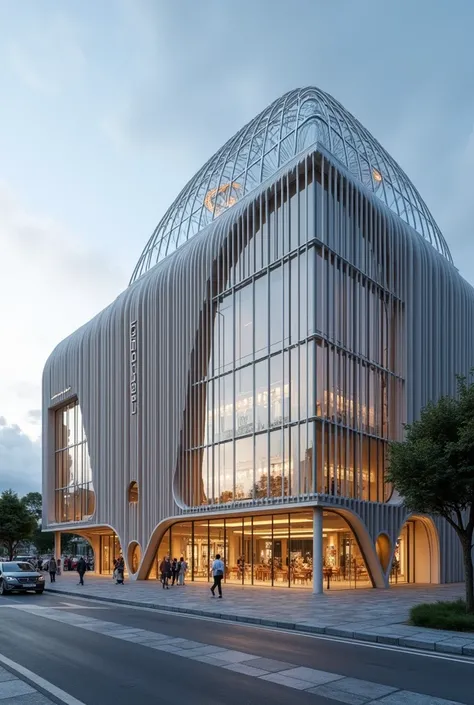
17	523
433	469
34	503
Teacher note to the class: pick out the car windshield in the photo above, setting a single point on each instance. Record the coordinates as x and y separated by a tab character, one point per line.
17	567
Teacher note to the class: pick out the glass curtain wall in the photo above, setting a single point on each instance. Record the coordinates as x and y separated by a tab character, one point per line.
298	371
268	550
109	550
74	491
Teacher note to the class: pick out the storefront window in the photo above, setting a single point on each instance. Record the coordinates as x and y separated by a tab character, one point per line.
269	550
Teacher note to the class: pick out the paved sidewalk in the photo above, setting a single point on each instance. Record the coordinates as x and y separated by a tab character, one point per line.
15	691
369	615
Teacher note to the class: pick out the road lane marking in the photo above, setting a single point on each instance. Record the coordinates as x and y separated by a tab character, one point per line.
324	683
456	658
40	682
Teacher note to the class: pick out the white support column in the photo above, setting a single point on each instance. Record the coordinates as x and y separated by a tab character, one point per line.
318	550
57	545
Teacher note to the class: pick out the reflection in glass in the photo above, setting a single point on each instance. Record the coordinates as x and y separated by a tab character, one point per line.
74	492
267	550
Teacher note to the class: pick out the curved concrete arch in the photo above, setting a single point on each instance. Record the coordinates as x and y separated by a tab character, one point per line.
354	522
383	546
433	569
366	545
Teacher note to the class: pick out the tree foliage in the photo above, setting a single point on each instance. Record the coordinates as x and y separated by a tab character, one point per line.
433	469
17	522
34	503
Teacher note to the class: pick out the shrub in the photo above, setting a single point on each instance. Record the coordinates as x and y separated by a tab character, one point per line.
443	615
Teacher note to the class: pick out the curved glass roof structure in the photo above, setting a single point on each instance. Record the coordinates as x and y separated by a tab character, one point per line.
285	128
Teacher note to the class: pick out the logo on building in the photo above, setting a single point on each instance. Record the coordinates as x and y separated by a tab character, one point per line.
133	368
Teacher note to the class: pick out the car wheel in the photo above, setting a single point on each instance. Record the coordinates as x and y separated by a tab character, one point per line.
40	591
3	590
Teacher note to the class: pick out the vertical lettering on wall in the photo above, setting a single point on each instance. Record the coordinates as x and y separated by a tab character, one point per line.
133	368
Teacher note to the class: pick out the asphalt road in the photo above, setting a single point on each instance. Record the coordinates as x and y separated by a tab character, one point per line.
100	670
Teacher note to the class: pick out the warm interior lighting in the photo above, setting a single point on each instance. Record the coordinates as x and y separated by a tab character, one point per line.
377	175
222	197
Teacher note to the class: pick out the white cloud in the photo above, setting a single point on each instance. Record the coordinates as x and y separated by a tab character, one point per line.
20	460
50	284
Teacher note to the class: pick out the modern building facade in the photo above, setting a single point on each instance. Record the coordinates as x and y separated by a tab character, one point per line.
293	308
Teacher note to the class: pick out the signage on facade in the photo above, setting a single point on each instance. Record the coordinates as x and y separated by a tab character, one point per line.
133	368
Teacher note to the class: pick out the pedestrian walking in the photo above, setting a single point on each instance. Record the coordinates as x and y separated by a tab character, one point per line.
52	567
182	569
218	573
120	568
81	569
174	572
165	571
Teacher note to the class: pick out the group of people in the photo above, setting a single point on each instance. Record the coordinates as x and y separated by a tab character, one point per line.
54	568
173	570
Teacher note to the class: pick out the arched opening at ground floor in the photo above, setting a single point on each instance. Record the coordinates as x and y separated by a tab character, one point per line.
272	550
416	553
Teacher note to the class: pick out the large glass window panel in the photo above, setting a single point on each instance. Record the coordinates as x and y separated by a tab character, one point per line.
244	475
294	460
201	565
61	429
246	565
223	338
262	550
301	549
217	544
276	488
294	300
261	395
224	396
306	458
181	543
224	472
244	400
244	324
206	475
235	557
71	425
276	390
280	550
295	383
276	309
261	314
261	465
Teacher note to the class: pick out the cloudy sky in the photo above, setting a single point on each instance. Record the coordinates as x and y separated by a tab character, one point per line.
110	106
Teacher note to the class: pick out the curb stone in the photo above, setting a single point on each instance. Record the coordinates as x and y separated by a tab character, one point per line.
415	642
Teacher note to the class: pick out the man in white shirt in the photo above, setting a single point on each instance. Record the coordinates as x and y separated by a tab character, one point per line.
218	574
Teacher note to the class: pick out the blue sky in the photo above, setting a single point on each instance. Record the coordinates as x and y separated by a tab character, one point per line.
110	106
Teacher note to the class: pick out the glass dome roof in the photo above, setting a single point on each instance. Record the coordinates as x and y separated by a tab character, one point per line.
287	127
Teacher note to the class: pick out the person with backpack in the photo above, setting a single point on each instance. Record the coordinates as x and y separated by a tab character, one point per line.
218	574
